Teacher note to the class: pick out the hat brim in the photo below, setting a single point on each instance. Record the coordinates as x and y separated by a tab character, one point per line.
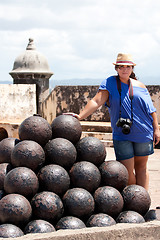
125	63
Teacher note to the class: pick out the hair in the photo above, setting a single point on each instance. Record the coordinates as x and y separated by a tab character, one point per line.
133	75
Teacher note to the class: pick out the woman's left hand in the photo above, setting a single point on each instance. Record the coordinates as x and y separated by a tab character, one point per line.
72	114
156	136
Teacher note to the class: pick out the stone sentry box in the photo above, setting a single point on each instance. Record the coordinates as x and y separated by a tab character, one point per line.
31	67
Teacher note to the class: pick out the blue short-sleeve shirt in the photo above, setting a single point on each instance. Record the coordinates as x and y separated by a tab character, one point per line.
142	126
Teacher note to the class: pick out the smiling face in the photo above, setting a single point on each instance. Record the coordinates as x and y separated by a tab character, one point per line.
124	71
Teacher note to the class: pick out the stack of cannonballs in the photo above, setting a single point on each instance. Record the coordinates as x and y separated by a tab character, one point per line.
51	179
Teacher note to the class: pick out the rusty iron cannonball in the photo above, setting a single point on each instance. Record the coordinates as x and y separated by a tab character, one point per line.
136	198
21	180
61	151
15	209
35	128
152	214
4	169
68	127
47	206
28	154
6	147
39	226
3	133
100	220
108	200
85	175
91	149
2	194
70	222
54	178
78	202
130	217
114	174
10	231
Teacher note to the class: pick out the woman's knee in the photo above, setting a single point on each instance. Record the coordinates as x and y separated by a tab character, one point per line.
129	164
140	163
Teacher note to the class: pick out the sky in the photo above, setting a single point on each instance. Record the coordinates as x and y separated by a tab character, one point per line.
81	38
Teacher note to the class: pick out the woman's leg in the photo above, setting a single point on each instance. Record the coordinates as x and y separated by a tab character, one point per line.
129	164
141	171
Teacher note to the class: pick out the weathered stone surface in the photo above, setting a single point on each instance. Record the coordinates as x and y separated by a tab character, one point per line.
19	100
74	98
145	231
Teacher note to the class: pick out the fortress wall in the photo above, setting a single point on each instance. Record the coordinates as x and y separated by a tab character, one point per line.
18	101
74	98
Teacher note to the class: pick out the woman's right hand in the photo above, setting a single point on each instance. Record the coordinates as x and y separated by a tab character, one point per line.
73	115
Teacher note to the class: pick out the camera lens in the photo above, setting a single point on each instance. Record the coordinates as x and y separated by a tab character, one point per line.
126	129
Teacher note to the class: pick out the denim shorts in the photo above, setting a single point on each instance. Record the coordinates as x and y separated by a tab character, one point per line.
126	149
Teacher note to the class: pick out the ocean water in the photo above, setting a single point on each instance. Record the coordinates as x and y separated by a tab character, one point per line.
74	82
88	81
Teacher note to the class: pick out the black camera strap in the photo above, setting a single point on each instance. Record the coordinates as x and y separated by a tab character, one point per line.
130	94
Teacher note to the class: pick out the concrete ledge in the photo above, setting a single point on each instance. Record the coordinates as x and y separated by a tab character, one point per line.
91	126
125	231
11	128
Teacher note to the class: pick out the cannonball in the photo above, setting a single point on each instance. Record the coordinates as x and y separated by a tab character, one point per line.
136	198
68	127
6	147
4	169
91	149
28	154
3	133
10	231
100	220
85	175
130	217
152	214
78	202
15	209
61	151
54	178
114	174
108	200
21	180
70	222
35	128
39	226
47	206
2	193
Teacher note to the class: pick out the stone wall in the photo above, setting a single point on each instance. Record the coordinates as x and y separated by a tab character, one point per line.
154	91
74	98
18	101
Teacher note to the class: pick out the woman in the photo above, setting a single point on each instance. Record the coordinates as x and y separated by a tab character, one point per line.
133	118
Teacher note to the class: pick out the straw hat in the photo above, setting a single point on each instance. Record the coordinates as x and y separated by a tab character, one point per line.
124	59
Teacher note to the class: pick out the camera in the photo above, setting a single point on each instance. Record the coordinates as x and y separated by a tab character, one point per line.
125	124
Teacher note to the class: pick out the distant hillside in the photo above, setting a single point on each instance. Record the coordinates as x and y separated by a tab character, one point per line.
151	80
74	82
87	81
6	82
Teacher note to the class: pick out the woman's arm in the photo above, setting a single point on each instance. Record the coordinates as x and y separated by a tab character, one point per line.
156	133
99	99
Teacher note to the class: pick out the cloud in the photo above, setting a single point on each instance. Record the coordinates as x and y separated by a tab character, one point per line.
81	38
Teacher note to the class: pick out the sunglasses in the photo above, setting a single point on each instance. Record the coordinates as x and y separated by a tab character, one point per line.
128	67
